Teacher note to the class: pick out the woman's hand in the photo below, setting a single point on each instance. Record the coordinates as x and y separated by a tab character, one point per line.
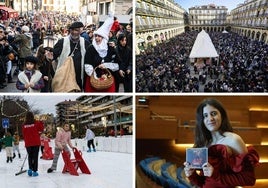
207	169
45	78
102	66
188	170
122	73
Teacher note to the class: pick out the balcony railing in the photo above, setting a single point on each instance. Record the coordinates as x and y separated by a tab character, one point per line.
155	27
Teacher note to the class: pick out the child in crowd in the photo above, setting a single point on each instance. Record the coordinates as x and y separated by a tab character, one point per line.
42	139
63	138
30	80
8	142
16	144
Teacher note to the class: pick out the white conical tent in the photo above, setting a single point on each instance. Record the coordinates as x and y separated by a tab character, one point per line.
203	47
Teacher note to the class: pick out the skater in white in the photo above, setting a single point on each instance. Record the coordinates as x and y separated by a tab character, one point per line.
90	139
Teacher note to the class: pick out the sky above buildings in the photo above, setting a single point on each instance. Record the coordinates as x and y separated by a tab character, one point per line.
230	4
46	103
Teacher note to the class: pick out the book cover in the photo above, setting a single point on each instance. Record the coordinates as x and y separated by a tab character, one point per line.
196	157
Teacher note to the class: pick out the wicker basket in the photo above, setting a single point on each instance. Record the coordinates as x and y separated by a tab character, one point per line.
102	83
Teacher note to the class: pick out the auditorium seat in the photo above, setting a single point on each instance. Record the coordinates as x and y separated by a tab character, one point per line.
182	178
155	170
144	164
172	180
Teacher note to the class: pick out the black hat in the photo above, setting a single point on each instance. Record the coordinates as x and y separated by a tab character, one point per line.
31	59
76	25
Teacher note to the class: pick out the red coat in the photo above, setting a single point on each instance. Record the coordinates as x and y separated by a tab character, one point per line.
115	27
229	170
31	133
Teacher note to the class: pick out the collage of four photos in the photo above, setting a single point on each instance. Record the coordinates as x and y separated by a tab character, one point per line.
134	93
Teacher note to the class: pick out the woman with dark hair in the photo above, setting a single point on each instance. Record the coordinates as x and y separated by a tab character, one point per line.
124	59
230	162
45	57
31	130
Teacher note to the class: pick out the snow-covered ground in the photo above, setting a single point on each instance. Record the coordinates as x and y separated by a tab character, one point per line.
108	170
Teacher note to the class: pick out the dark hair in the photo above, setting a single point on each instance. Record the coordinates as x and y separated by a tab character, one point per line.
29	118
202	135
121	37
41	54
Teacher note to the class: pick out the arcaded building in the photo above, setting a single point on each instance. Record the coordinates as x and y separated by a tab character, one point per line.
250	19
208	17
157	21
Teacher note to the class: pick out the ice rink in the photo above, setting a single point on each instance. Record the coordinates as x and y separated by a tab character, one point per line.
108	170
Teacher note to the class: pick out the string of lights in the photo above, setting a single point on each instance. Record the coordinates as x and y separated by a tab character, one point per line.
16	115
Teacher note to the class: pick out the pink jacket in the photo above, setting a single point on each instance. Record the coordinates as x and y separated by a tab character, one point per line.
63	138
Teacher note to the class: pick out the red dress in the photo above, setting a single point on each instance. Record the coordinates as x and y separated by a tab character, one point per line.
229	170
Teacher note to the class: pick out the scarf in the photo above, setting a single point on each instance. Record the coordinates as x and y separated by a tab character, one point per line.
35	77
66	51
102	48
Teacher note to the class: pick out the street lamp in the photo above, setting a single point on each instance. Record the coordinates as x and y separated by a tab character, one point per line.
115	118
78	120
49	40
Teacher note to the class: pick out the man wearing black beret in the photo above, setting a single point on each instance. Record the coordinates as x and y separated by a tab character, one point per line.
72	45
76	25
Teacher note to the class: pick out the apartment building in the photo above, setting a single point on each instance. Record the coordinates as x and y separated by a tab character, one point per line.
250	19
208	17
100	112
157	21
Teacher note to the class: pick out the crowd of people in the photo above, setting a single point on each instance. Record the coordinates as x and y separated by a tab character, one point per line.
89	45
241	66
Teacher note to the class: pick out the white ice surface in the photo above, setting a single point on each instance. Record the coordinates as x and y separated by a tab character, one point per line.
108	170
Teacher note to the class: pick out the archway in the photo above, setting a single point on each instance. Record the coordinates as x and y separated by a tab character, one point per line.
156	38
252	34
258	34
264	37
248	35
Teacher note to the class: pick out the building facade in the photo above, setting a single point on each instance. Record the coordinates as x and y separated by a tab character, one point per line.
208	17
100	112
250	19
95	11
157	21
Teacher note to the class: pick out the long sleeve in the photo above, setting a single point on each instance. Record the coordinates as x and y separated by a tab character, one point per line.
57	49
229	170
40	84
20	85
243	178
197	180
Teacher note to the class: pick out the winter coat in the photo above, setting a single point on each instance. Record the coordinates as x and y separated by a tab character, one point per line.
63	138
8	141
31	133
24	41
89	135
25	78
